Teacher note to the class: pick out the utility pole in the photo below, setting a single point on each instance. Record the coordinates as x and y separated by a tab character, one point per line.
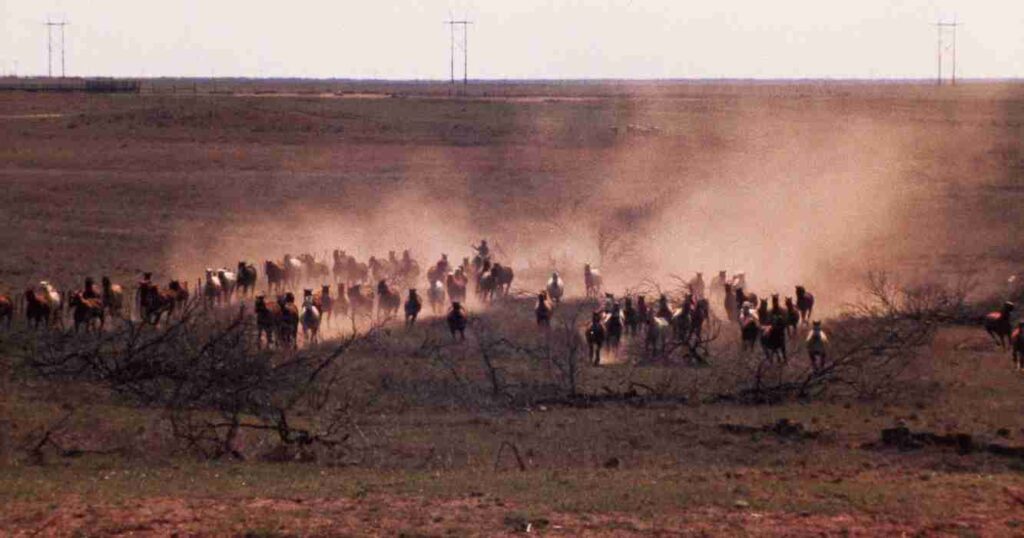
942	29
49	46
465	51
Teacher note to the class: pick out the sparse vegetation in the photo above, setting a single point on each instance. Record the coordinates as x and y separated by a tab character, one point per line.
189	427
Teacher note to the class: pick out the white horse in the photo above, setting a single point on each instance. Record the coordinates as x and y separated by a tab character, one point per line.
555	288
228	282
436	296
817	346
51	294
593	281
658	330
293	269
212	288
310	321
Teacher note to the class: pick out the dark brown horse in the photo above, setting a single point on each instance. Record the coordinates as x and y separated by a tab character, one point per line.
247	276
288	328
543	310
6	309
1017	344
805	304
112	296
457	321
595	338
276	277
155	302
388	301
773	340
88	312
997	324
38	310
268	318
413	305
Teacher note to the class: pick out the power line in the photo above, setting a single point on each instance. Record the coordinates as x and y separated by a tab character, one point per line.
465	50
50	25
942	29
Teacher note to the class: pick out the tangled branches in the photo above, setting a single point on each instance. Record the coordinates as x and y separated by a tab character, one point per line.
205	370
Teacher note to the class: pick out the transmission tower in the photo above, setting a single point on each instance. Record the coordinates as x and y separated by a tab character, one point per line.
946	48
50	25
465	50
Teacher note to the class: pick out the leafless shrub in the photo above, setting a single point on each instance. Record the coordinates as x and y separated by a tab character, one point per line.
204	368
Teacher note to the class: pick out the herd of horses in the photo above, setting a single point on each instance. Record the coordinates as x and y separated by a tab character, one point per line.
348	288
686	322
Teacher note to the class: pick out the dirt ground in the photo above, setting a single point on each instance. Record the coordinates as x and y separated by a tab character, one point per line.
801	183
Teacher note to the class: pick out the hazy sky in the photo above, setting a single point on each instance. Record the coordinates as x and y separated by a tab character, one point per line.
515	38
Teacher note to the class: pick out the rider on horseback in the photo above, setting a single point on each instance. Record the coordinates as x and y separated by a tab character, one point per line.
483	250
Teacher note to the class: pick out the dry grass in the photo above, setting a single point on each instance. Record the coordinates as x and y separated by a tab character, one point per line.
129	183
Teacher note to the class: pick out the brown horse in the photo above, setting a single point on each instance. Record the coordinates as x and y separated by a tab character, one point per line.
773	340
1017	343
246	275
154	302
457	321
595	338
87	312
179	292
388	301
997	324
268	319
276	276
792	316
360	300
543	310
6	309
288	328
805	304
413	305
38	310
113	297
325	302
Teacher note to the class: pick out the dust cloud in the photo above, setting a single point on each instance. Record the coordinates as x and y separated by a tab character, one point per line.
790	192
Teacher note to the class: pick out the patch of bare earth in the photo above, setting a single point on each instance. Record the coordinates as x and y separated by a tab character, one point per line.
391	515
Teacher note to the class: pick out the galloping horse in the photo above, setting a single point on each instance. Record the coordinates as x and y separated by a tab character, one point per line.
805	304
543	310
613	327
268	319
555	287
413	305
595	338
773	340
593	281
113	297
457	321
388	301
997	324
817	346
246	278
276	276
310	320
435	296
88	312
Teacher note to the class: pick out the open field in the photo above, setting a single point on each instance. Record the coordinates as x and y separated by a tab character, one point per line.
809	184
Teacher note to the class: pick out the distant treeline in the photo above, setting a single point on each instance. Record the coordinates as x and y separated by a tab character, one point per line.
95	85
